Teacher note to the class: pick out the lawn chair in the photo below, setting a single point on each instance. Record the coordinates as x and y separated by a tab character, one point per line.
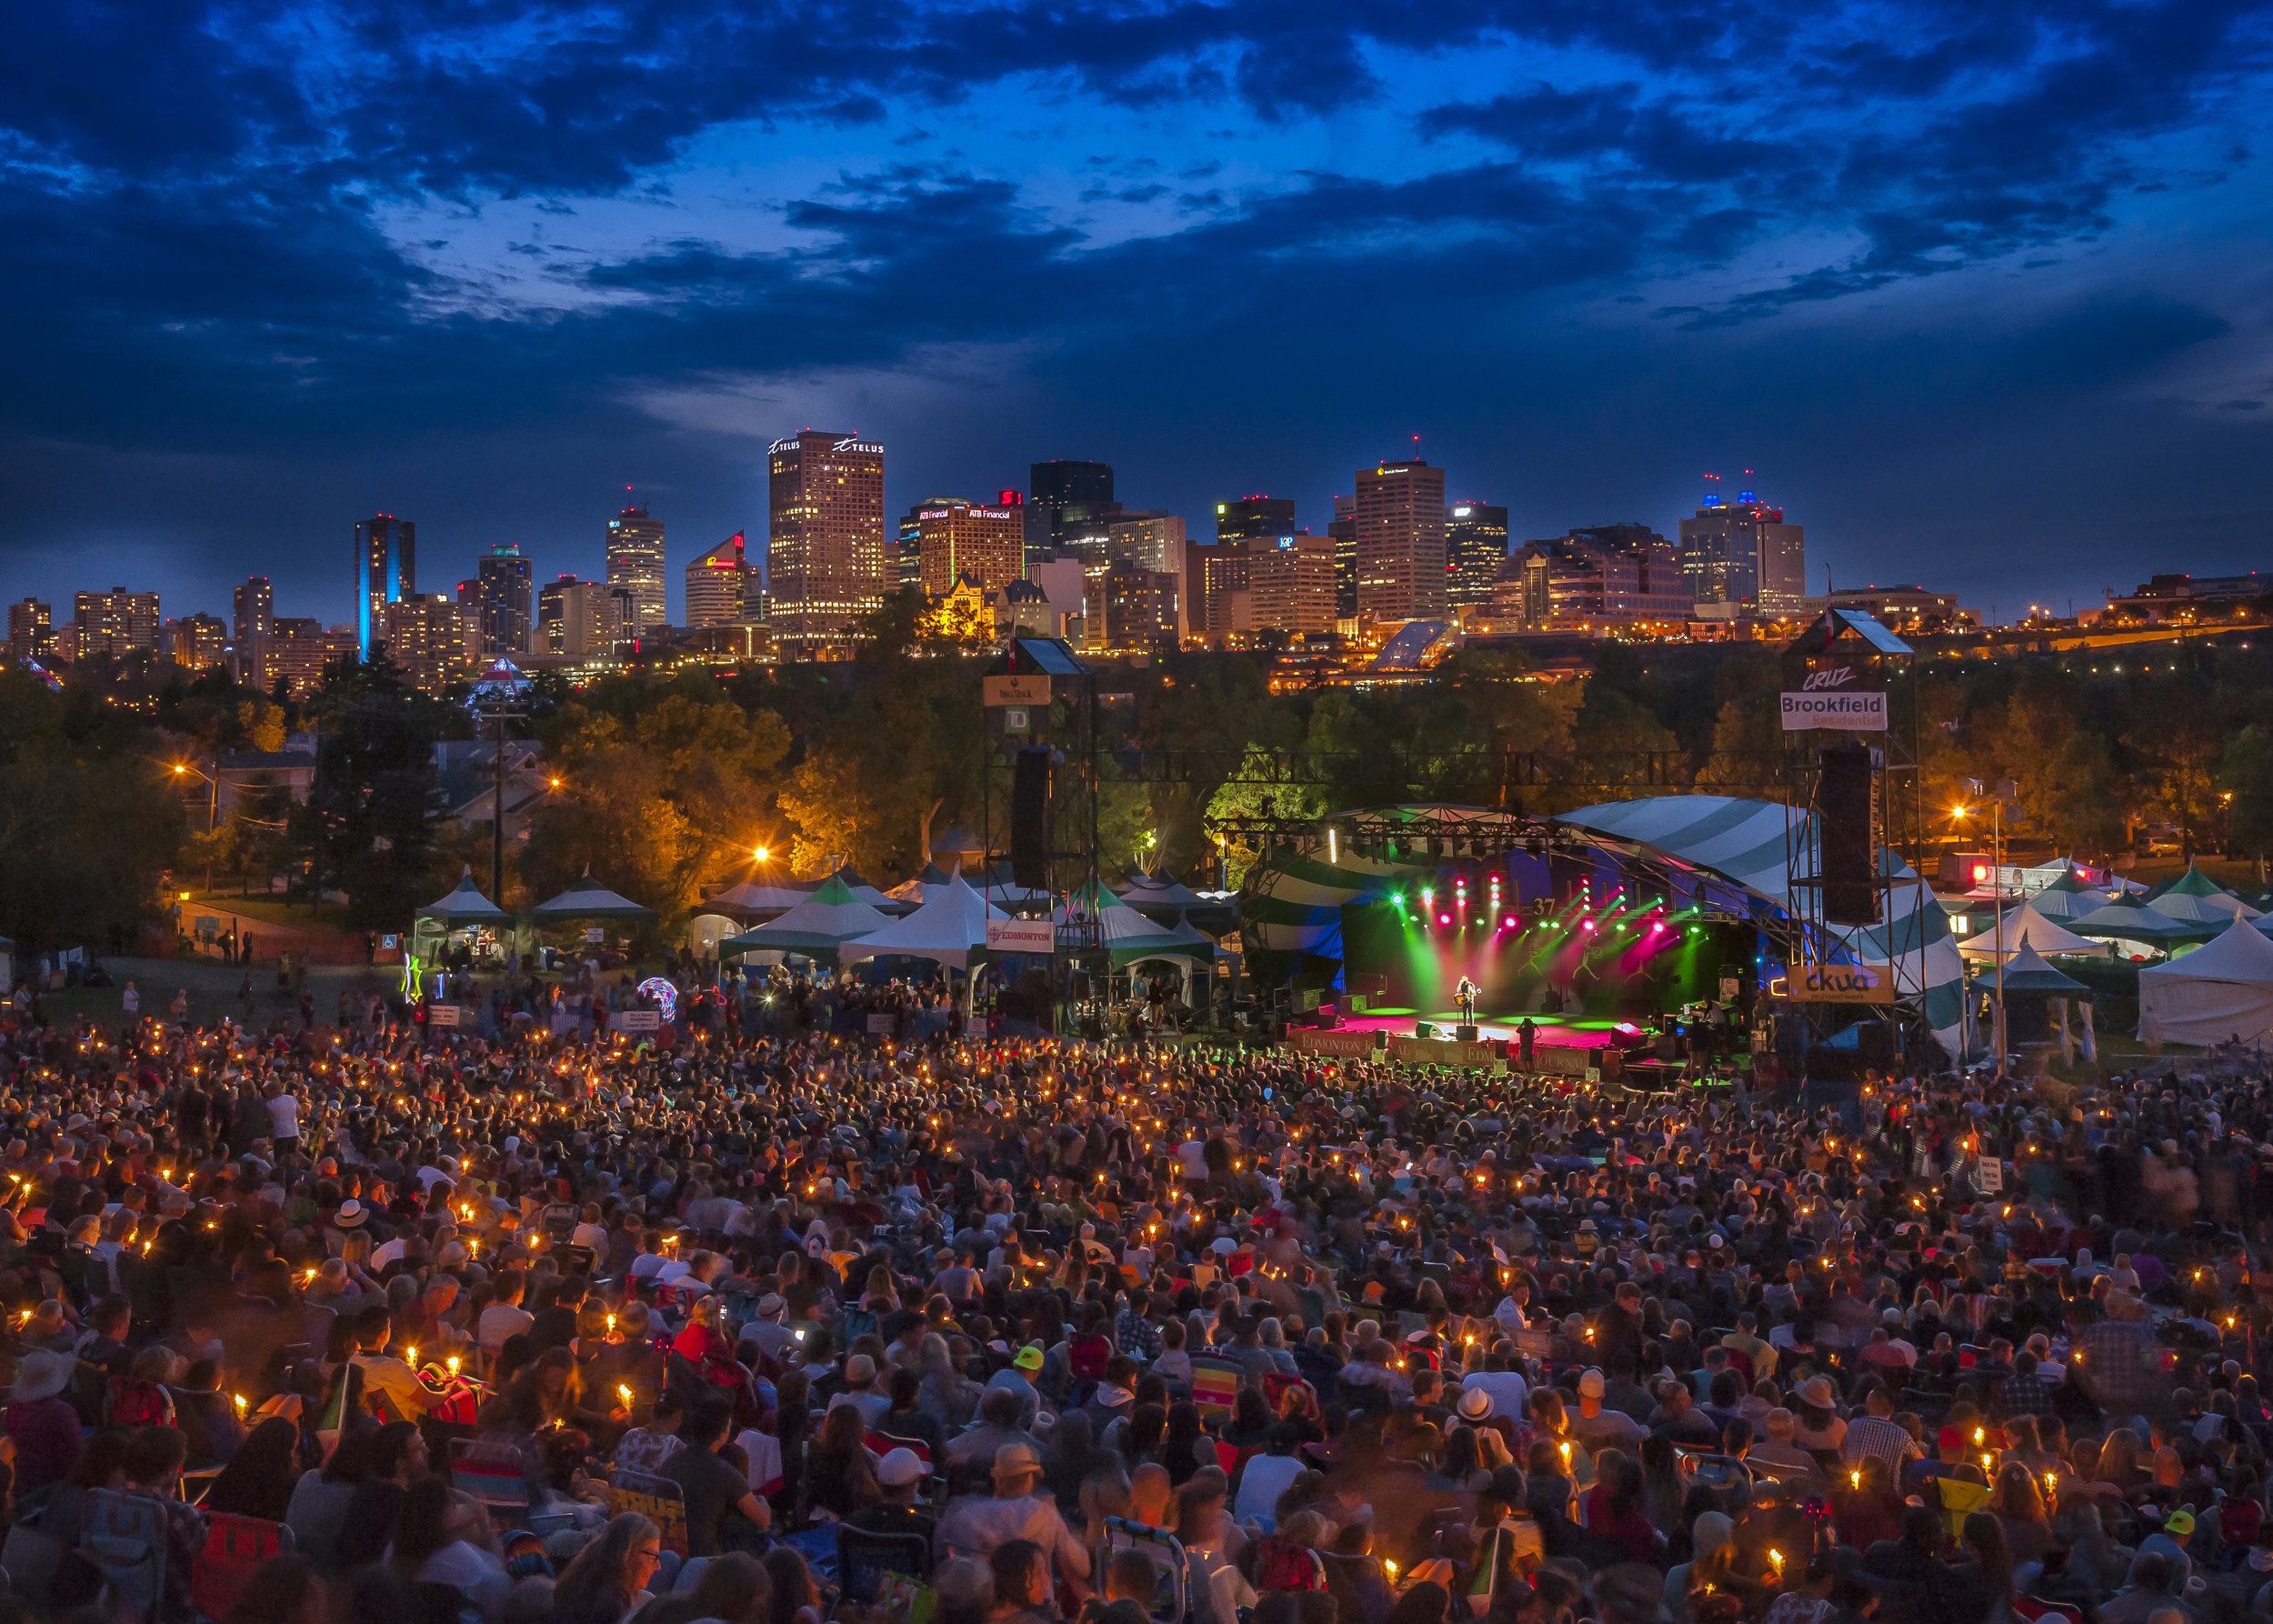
123	1536
1216	1386
494	1475
658	1499
1172	1600
865	1559
235	1548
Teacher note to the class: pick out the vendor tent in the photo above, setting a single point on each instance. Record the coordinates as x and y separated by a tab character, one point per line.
2027	971
2068	898
2222	990
2023	924
867	893
2127	919
1004	891
465	905
587	899
760	898
1191	936
1127	934
947	928
2195	895
817	928
913	891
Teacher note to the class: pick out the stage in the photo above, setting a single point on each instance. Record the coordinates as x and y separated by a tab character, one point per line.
1548	1032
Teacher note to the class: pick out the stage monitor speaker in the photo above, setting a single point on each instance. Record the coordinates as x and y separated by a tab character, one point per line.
1327	1019
1424	1029
1466	1035
1380	1043
1029	819
1845	836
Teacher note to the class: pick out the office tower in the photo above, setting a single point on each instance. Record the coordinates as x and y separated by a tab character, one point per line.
253	609
1290	584
619	615
1141	607
1066	497
907	546
1343	531
197	641
387	559
506	590
825	554
1741	555
1401	540
31	630
1152	539
425	635
956	539
1215	584
1476	546
1600	575
635	564
716	584
1264	516
116	623
572	617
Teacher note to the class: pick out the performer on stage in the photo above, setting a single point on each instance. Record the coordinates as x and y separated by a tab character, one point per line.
1464	997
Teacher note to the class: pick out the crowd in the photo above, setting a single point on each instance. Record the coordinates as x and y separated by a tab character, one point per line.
725	1323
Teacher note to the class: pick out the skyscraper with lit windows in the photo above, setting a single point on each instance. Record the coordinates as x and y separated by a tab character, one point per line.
634	564
386	572
826	563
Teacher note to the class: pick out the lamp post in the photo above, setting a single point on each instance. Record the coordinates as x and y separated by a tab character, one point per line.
1996	882
213	807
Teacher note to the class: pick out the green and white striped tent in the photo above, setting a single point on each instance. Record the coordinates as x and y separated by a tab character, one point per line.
1720	850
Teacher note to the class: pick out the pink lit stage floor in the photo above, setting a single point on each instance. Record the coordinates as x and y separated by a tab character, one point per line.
1548	1032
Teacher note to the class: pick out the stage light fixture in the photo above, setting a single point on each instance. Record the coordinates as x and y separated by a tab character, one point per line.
1444	918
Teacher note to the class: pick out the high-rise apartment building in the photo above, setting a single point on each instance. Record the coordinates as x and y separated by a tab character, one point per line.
1215	580
1343	531
506	592
957	539
1401	540
116	623
572	618
253	609
425	635
825	550
1254	517
386	572
908	544
1598	575
1290	584
1476	546
1741	555
719	585
295	652
198	641
634	564
1067	498
1140	608
31	630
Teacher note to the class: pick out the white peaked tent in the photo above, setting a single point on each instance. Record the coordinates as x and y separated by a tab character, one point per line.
2025	925
950	924
2222	989
2068	898
817	926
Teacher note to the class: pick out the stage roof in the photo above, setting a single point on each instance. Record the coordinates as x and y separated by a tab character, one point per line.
1719	852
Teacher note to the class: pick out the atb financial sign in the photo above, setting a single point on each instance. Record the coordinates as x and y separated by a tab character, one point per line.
1835	694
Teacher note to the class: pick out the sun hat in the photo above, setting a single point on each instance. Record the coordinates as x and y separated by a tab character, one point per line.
1475	1405
1816	1393
41	1373
351	1213
1013	1461
1590	1384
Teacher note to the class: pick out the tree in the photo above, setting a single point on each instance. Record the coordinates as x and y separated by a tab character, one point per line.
370	813
2246	772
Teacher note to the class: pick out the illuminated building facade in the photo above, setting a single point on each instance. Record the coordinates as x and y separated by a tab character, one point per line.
1400	513
824	549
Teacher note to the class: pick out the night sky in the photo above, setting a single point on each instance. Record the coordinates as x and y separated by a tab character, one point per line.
1979	290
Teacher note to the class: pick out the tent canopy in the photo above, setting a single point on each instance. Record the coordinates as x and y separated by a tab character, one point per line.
2025	925
588	899
2027	971
2195	895
466	906
2127	919
2221	990
825	920
1126	933
949	926
867	893
753	898
2068	898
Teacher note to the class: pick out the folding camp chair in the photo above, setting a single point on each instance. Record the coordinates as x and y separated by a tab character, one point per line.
1216	1386
658	1499
863	1559
124	1537
235	1548
1172	1599
494	1474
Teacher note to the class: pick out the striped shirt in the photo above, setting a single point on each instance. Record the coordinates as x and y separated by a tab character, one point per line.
1876	1435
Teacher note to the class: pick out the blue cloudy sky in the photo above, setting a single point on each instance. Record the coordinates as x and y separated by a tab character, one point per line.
1981	290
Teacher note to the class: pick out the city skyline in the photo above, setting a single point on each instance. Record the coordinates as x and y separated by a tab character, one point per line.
1971	291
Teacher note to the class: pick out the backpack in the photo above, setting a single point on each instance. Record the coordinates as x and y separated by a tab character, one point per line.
1086	1355
139	1404
1280	1565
